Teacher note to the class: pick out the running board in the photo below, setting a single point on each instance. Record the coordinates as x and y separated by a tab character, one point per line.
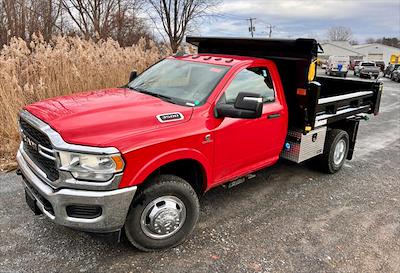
238	181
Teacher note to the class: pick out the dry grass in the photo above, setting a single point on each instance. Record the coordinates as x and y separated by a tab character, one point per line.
66	65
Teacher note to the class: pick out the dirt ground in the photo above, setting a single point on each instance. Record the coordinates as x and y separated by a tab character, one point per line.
290	218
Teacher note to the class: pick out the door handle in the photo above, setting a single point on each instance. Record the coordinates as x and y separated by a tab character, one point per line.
275	115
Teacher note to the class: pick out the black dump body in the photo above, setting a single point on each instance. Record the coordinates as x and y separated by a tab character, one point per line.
313	103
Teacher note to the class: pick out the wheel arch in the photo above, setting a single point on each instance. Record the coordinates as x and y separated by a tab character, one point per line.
189	164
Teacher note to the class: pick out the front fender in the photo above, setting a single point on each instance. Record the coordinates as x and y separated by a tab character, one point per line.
137	175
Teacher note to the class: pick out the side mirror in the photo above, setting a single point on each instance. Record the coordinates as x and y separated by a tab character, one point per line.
133	76
247	106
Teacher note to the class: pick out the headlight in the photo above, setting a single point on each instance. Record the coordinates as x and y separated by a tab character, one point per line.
89	166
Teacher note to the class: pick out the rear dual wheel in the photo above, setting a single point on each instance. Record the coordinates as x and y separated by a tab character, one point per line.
335	151
163	214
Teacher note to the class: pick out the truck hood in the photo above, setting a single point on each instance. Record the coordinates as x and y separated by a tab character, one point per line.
95	118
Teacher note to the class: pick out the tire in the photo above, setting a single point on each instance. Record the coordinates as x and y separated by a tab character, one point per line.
174	194
327	163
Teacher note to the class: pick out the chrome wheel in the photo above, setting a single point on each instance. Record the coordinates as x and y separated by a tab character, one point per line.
340	151
163	217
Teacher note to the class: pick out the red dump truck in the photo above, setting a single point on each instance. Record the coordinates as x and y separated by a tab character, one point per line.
137	158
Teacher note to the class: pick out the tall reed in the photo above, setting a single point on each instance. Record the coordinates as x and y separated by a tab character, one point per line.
40	70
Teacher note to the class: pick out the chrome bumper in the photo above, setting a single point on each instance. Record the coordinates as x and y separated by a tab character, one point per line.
114	204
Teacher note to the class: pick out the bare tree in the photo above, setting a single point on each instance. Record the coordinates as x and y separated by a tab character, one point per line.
22	18
3	28
107	18
176	16
340	33
42	17
15	18
91	16
88	18
370	40
126	27
389	41
354	42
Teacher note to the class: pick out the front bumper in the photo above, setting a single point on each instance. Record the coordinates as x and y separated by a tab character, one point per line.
114	204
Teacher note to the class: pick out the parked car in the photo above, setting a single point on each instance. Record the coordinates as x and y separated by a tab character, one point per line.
380	64
367	70
389	70
396	75
137	158
337	66
353	64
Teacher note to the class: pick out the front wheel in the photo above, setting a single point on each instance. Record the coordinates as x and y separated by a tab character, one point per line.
163	214
335	151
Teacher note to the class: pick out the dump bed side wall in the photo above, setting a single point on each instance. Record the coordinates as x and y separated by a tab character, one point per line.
337	86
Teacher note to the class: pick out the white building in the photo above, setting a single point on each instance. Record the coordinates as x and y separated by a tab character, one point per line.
377	52
340	48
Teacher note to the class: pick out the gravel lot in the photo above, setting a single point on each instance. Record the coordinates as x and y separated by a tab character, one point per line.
289	218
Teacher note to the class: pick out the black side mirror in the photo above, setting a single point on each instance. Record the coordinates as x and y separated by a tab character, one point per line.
132	76
247	106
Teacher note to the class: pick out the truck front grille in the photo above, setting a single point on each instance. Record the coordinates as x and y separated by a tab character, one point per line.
40	151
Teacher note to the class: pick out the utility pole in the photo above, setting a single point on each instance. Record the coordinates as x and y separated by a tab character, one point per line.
252	27
270	27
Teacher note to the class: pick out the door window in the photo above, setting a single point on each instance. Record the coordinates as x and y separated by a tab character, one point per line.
254	80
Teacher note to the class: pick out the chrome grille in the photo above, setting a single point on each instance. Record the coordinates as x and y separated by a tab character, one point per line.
39	149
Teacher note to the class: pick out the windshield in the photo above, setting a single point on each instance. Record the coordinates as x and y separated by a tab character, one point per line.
367	64
181	82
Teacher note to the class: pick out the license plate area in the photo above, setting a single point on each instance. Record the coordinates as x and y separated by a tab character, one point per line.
31	202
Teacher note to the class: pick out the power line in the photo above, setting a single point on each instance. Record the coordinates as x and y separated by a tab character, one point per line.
232	16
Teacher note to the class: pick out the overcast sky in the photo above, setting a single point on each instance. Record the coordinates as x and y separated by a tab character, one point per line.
305	18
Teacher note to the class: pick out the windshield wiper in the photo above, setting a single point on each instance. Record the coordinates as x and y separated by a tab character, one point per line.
160	96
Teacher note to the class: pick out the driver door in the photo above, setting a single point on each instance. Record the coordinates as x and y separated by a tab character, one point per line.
244	145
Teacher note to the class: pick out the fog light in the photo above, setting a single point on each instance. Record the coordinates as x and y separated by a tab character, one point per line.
84	211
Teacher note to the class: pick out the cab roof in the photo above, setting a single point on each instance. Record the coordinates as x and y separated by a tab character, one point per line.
215	59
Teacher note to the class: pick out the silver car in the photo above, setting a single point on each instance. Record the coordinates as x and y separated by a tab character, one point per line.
367	70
